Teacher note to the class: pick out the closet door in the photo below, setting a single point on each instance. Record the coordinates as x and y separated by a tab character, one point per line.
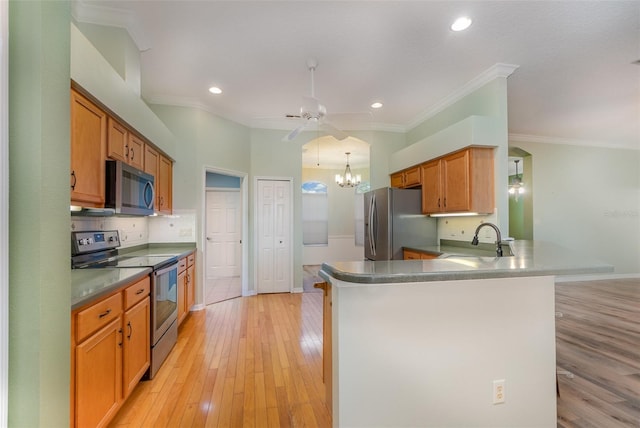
274	236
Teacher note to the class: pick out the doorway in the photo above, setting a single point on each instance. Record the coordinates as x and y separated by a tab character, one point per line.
274	230
520	194
225	219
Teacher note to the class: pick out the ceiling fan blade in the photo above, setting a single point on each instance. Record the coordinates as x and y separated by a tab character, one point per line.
293	134
332	130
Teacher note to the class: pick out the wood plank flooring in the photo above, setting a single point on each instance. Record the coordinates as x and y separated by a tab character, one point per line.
598	340
246	362
257	362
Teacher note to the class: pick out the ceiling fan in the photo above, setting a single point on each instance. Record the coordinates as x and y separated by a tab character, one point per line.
312	112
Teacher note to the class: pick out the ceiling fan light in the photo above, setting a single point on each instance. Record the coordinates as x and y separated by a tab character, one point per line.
215	90
461	24
377	104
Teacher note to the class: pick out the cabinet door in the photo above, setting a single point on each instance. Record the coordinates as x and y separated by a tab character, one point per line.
164	185
191	287
151	161
98	389
117	137
431	187
182	296
88	152
412	177
397	180
411	255
457	186
136	152
137	344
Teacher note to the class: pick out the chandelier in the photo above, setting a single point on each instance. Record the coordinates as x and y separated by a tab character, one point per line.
348	180
516	186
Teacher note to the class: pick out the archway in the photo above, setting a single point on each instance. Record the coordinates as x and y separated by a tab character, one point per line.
520	194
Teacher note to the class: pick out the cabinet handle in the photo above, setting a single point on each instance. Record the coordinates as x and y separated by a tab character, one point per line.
140	291
133	154
120	344
75	180
130	330
445	202
438	202
105	313
126	152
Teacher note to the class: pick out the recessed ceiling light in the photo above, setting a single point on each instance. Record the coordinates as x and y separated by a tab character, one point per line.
377	104
215	90
461	23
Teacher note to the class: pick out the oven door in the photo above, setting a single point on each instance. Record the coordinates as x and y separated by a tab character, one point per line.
164	294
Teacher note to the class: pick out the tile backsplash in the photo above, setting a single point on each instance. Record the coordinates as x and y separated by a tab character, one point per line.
180	227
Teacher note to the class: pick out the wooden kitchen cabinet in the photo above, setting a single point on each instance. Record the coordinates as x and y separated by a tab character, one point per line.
124	145
186	286
88	152
164	185
191	281
137	334
98	363
161	168
407	178
110	342
459	182
410	255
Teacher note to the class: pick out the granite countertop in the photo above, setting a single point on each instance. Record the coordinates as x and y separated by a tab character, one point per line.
530	258
88	285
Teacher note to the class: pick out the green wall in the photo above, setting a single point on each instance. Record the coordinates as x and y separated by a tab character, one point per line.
39	274
587	199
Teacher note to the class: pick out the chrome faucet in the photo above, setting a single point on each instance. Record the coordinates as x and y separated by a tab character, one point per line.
498	237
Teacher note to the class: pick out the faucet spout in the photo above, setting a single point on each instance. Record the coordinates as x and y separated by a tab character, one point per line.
475	240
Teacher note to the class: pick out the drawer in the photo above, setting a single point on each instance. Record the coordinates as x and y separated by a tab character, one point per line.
137	292
97	316
182	265
191	258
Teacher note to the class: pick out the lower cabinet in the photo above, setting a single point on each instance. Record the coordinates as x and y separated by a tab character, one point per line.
418	255
110	353
186	286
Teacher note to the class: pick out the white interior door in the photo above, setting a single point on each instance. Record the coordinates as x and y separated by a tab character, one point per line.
223	233
274	236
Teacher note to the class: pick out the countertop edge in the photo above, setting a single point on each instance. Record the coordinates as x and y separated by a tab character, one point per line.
93	298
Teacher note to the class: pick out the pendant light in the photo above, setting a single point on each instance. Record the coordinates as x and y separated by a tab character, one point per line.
348	180
516	186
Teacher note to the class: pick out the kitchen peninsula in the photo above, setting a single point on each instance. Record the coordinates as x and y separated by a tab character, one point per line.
431	342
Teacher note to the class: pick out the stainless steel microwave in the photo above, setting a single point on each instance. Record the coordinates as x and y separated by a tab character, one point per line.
128	190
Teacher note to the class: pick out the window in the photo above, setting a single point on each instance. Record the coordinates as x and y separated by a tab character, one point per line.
315	213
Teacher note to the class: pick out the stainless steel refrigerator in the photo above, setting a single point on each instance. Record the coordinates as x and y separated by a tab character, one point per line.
393	219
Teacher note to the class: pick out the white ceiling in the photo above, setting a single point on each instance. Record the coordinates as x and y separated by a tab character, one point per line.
576	80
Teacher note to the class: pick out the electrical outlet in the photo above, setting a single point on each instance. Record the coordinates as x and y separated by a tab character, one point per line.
498	391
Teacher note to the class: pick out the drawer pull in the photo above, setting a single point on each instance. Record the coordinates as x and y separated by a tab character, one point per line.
130	330
140	291
105	313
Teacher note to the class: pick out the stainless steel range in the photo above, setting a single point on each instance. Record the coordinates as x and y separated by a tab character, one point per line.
99	249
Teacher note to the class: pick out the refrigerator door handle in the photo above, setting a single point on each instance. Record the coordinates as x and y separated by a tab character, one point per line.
370	230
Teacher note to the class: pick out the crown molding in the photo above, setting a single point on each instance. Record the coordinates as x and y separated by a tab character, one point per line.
109	16
542	139
497	70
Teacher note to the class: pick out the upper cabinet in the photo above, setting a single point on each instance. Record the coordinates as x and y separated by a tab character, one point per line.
407	178
459	182
161	168
97	136
123	145
88	152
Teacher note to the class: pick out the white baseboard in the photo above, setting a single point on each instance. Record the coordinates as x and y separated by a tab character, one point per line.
298	290
197	307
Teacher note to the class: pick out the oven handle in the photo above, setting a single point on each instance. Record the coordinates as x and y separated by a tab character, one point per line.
166	269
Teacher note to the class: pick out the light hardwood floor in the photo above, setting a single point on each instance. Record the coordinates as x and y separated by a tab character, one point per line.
257	362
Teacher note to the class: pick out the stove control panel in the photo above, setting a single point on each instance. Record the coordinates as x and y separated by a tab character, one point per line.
90	241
